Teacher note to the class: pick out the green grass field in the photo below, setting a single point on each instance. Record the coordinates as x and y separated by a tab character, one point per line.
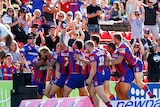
6	86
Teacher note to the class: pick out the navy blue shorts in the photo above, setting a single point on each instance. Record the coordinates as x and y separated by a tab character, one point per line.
75	81
41	87
98	79
107	74
61	81
128	77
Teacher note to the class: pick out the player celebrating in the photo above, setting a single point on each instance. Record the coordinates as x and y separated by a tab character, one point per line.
63	59
96	40
75	78
126	54
127	75
96	59
39	73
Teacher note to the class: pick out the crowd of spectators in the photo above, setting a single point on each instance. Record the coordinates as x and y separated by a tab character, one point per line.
36	23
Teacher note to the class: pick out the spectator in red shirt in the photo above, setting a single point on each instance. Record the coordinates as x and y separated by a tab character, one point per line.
8	69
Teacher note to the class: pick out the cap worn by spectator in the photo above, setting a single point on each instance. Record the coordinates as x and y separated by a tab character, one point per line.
30	35
8	54
52	26
136	44
150	1
35	26
137	11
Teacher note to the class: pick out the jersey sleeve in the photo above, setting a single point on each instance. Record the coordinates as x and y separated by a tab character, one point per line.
55	56
122	51
92	57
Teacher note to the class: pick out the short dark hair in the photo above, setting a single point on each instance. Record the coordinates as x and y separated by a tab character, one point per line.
96	38
79	43
112	45
117	36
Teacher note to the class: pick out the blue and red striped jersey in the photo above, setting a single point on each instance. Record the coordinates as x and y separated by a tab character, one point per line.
39	75
75	66
98	56
126	52
8	72
122	67
87	68
63	59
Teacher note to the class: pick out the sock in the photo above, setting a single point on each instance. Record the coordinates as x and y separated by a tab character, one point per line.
91	101
111	97
147	90
53	95
108	104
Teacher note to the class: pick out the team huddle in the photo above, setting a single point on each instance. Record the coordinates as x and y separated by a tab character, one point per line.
88	68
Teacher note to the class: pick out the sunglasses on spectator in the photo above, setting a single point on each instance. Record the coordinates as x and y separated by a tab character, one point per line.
60	16
10	11
136	46
150	2
136	14
69	15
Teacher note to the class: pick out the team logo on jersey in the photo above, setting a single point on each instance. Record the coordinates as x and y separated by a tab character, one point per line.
122	50
55	56
91	58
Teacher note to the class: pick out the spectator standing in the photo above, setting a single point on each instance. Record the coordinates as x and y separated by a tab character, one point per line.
7	68
40	40
151	17
25	20
93	14
51	40
137	24
49	12
153	63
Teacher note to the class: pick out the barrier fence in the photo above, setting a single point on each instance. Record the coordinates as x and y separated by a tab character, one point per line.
135	93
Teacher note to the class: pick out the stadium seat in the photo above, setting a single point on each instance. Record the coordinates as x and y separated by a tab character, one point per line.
20	44
129	35
105	36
